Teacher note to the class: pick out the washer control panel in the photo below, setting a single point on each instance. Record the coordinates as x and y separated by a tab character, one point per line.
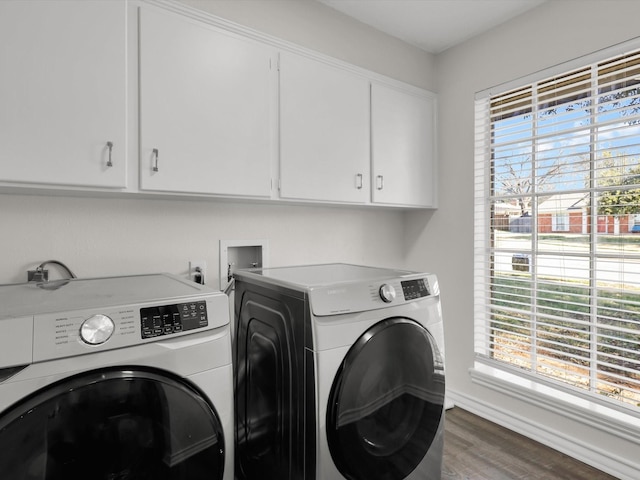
169	319
102	314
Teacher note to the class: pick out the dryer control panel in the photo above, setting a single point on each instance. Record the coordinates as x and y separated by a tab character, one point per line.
413	289
371	295
169	319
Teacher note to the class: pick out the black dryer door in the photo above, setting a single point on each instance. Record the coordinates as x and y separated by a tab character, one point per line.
113	424
386	402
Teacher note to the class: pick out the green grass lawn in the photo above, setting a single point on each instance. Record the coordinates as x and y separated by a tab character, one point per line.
565	328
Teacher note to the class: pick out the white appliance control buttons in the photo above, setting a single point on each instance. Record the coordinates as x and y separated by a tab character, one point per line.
387	293
97	329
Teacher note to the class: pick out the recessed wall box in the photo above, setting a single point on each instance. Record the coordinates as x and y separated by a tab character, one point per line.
236	254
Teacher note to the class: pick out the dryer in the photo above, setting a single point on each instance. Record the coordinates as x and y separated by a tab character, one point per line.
339	374
115	378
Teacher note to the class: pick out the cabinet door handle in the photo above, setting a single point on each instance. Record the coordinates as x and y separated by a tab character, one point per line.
359	181
155	163
110	147
380	182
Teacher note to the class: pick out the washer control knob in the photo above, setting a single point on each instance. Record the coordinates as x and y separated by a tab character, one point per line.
387	293
97	329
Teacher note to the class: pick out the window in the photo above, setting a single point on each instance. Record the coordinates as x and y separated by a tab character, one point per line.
565	151
560	222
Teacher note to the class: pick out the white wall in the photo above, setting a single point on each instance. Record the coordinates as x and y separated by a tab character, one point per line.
96	237
442	242
107	236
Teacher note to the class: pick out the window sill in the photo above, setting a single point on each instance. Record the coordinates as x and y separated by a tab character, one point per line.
607	419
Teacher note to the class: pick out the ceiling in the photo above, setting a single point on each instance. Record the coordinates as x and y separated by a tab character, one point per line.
433	25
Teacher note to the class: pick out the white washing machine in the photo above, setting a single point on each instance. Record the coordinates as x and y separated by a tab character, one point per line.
115	378
339	374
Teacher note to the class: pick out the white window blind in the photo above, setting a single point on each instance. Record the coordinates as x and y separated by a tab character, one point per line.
557	255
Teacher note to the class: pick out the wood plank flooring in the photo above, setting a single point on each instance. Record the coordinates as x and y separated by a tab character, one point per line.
476	449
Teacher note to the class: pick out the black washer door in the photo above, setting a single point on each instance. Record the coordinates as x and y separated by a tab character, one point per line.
113	425
386	402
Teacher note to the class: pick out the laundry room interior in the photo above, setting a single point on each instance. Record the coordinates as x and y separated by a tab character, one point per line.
139	225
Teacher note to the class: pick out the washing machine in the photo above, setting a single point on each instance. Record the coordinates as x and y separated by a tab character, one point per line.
339	374
120	378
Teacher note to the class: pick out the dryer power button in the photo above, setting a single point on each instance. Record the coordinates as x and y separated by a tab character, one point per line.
387	293
97	329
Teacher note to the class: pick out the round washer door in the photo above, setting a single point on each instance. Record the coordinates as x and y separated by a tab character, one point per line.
113	424
386	402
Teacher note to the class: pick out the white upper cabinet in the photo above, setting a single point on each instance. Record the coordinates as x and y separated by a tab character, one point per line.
324	132
207	108
63	93
223	110
403	147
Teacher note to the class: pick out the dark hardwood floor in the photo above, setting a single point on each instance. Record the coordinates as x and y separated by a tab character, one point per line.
476	449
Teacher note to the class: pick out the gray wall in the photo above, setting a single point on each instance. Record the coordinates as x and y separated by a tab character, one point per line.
442	242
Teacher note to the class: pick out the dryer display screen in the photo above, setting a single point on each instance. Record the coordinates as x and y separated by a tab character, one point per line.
168	319
413	289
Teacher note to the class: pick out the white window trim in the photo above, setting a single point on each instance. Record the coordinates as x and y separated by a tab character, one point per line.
612	419
597	56
554	398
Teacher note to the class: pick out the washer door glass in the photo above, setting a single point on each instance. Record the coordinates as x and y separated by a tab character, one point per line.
113	425
386	402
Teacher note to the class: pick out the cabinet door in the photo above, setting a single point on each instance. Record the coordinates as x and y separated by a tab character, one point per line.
206	103
63	92
403	147
324	132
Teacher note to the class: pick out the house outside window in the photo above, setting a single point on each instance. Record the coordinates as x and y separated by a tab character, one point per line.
564	150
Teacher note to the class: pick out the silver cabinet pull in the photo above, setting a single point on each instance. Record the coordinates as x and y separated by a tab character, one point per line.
110	147
155	164
380	182
359	181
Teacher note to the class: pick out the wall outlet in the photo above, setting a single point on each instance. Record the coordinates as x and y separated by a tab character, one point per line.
38	275
198	271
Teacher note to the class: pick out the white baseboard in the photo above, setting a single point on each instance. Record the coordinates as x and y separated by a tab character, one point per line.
590	454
